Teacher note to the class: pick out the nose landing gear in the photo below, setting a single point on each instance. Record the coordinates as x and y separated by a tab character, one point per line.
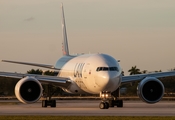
104	105
110	99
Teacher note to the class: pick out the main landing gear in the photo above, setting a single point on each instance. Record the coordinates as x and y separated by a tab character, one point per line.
110	99
49	102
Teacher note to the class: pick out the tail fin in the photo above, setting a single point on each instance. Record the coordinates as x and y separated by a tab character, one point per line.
65	47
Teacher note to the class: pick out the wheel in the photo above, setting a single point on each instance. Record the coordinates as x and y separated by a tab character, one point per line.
119	103
111	103
102	105
53	103
106	105
44	103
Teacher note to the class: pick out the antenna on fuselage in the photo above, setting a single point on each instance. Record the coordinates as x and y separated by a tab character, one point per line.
65	48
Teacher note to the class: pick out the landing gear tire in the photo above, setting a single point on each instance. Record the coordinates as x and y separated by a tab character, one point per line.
51	103
44	103
119	103
104	105
111	103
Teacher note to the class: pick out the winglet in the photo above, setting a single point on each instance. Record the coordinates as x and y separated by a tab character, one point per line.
65	47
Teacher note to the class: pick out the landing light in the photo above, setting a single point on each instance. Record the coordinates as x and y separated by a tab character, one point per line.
105	94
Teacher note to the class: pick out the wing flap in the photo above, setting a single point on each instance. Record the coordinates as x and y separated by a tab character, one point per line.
139	77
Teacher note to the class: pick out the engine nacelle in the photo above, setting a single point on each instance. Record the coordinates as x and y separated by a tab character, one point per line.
28	90
150	90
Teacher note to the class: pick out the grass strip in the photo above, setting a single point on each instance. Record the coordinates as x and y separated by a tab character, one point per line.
85	118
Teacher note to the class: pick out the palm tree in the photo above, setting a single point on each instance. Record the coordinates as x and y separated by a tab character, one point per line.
50	73
123	74
158	71
32	71
134	70
144	72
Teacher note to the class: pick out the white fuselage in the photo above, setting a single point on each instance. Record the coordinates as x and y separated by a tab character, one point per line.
90	73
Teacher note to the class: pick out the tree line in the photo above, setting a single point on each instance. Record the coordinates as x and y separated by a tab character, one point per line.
169	82
7	85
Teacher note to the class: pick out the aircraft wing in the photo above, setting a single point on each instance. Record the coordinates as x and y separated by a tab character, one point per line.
32	64
53	80
139	77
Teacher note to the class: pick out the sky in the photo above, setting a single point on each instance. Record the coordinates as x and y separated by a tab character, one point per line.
136	32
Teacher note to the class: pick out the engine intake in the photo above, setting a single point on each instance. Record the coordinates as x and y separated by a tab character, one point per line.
28	90
150	90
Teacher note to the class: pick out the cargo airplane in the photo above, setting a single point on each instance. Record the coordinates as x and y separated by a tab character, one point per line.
85	74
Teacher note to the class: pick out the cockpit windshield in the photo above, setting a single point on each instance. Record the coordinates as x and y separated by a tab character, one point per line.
107	69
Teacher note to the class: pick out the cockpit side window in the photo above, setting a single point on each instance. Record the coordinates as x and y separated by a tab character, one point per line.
113	68
107	69
100	68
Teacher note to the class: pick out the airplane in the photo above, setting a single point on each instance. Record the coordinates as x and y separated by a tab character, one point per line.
85	73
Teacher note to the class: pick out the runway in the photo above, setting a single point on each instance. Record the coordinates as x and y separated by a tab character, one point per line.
88	108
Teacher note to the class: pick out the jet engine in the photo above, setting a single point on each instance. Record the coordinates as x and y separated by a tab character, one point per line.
150	90
28	90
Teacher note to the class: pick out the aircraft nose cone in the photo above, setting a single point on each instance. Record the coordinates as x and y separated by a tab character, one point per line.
106	81
102	80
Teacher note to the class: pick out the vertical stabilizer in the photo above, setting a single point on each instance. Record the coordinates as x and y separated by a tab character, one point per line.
65	47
